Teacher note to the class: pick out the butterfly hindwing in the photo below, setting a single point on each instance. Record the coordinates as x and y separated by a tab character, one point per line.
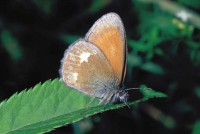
86	69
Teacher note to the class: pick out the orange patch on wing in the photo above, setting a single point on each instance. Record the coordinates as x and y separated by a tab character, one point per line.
111	42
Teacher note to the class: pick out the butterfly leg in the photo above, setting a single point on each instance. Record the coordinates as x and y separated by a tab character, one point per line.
106	99
102	100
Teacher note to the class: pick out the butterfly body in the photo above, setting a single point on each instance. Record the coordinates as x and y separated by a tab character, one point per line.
95	65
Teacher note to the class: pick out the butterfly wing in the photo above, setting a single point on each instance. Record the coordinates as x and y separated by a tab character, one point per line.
108	34
86	69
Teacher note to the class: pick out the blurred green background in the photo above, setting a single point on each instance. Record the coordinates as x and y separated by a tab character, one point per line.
164	53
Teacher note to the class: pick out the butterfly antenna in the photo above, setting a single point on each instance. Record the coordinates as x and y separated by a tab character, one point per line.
127	89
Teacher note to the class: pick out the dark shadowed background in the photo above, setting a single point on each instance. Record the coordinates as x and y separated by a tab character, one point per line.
164	54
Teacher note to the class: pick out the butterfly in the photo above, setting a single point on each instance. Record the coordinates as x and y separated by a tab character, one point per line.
96	64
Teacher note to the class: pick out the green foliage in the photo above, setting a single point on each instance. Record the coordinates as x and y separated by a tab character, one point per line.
69	39
11	45
194	49
136	61
164	33
196	128
153	68
44	5
190	3
50	105
197	92
163	25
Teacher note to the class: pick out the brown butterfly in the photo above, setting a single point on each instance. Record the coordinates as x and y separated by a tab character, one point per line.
96	65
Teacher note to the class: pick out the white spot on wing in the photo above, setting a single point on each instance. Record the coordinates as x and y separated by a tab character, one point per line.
75	76
84	56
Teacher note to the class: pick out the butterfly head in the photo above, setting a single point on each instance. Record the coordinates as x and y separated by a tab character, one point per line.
120	95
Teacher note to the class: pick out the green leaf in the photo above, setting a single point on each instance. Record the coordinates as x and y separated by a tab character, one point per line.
153	68
196	128
11	45
190	3
197	91
50	105
69	38
44	5
134	60
149	93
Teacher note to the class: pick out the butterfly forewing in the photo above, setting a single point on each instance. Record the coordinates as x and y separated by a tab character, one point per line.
86	69
108	34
